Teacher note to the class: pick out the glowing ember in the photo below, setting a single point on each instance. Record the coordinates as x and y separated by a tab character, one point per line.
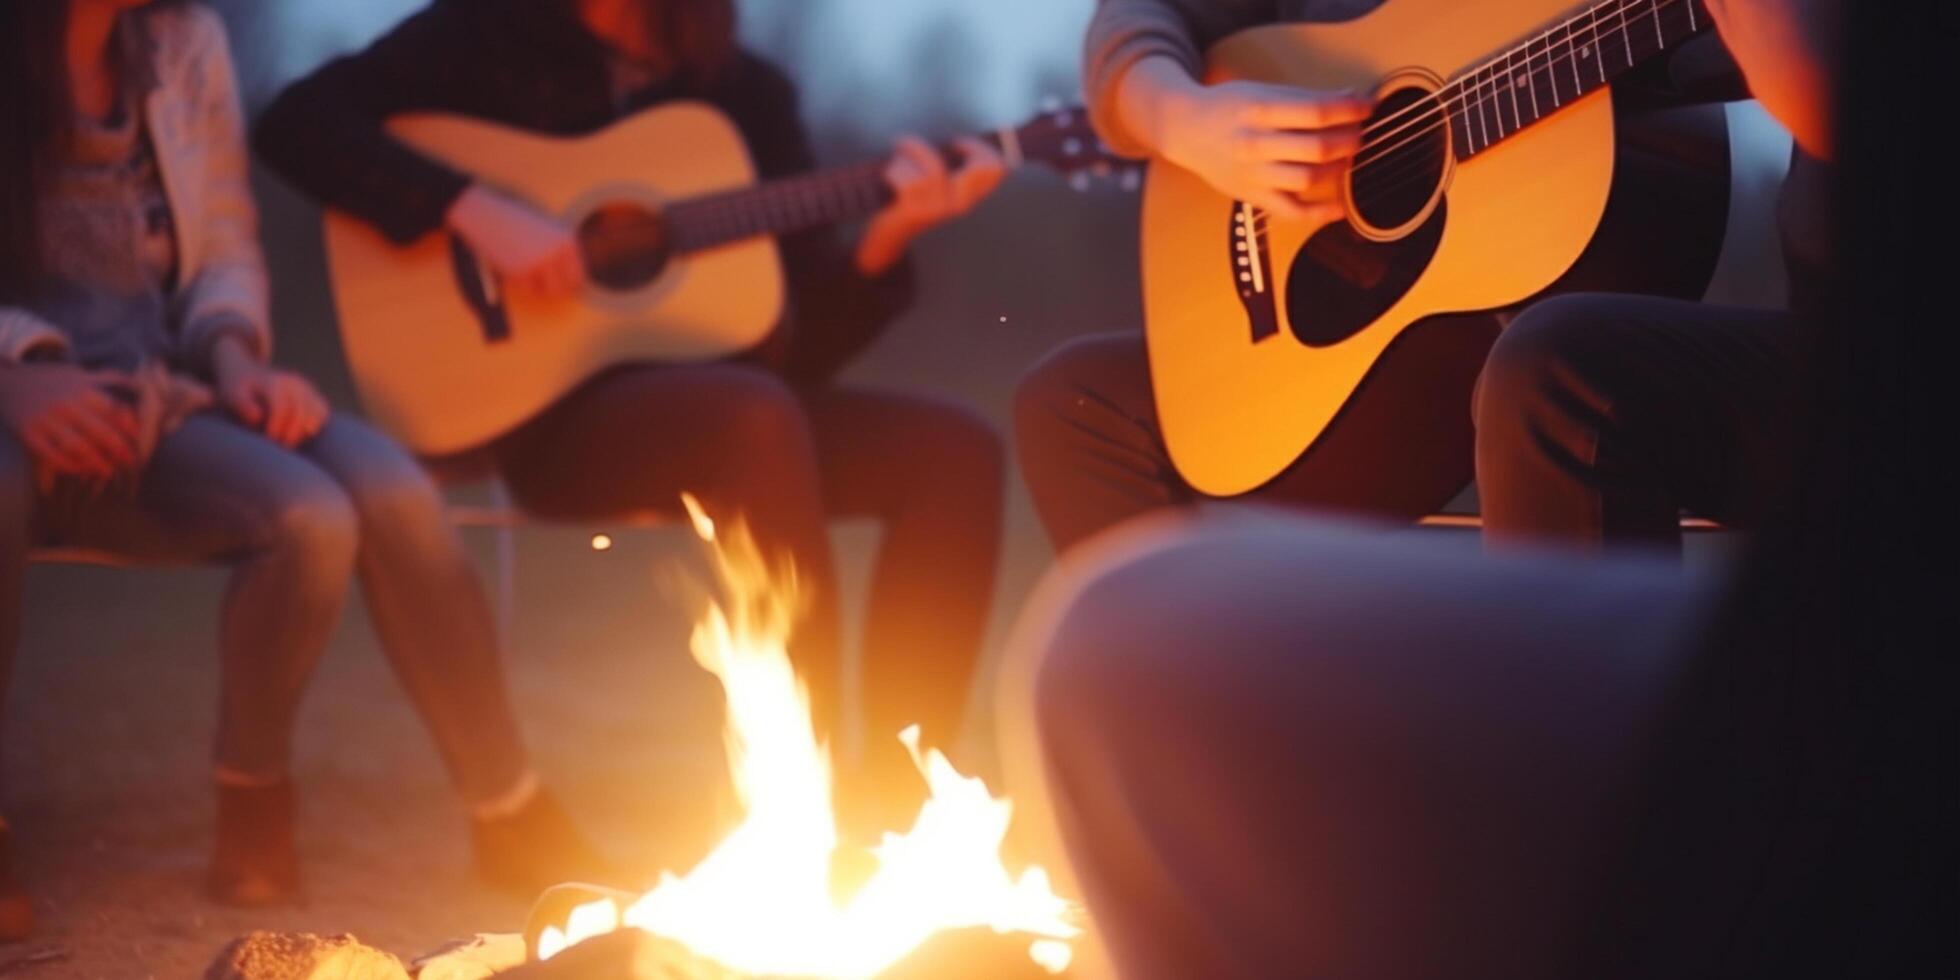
761	903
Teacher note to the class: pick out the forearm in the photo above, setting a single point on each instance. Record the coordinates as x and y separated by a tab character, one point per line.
229	293
1125	33
1787	51
232	357
24	336
1151	89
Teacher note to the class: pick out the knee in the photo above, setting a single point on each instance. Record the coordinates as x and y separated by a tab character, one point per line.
317	526
391	495
1543	355
761	417
1072	688
1050	391
396	501
1100	679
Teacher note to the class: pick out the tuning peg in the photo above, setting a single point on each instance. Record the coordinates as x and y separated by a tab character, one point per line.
1072	147
1079	181
1132	179
1102	169
1051	103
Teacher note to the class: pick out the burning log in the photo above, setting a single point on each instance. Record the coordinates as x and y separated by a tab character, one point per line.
935	902
274	956
962	954
763	902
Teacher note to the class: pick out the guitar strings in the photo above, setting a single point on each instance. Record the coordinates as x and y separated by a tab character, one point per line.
1494	89
1595	13
1411	170
733	215
1508	57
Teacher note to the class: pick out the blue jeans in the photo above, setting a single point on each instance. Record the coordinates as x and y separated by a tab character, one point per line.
294	526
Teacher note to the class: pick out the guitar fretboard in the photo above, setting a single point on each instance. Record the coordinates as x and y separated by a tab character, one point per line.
784	206
1562	65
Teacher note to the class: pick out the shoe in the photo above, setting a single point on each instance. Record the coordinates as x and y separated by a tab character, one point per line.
535	847
16	909
255	863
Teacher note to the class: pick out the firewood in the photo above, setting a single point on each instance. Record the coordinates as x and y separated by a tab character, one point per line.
303	956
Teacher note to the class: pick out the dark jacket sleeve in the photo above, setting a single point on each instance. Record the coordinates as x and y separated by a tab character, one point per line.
838	311
325	132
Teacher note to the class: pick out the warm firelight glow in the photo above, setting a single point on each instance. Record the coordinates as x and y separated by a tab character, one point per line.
761	903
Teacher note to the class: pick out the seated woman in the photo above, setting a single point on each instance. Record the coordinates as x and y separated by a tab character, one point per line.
1284	748
143	419
772	436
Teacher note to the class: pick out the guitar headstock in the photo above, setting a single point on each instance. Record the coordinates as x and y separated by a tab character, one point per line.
1061	139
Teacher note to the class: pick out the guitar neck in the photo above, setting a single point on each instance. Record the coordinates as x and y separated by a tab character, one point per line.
1571	60
788	205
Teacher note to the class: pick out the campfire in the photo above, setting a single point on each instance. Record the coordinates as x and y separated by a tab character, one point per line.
761	903
940	902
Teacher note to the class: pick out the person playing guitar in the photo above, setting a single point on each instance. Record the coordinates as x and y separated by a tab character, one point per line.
771	436
1088	429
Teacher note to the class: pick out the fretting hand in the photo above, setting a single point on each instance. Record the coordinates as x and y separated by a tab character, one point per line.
1282	149
530	251
926	193
68	421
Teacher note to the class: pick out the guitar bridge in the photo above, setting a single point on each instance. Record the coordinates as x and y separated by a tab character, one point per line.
1252	270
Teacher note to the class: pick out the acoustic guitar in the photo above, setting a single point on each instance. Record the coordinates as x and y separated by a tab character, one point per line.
678	239
1483	175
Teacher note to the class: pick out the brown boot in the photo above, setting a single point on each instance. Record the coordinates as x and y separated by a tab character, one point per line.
535	847
16	909
255	863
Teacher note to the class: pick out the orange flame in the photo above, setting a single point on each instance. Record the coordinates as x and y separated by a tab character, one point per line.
761	903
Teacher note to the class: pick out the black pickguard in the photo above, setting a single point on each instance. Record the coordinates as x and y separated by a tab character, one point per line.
1342	282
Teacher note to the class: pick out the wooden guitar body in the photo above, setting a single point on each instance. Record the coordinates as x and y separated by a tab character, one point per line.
1241	400
446	361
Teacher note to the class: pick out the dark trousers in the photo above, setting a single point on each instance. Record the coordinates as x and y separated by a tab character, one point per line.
787	460
1601	418
1088	439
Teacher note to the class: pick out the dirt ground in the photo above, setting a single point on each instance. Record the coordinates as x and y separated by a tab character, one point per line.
111	714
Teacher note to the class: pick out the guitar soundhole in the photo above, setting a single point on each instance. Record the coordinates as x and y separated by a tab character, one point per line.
1402	163
624	246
